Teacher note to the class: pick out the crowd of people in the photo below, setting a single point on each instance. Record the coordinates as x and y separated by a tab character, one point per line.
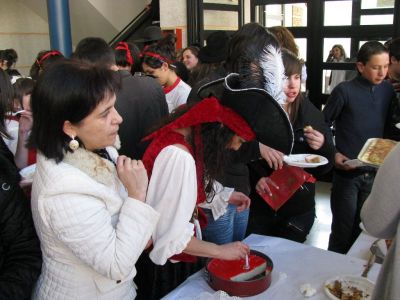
148	160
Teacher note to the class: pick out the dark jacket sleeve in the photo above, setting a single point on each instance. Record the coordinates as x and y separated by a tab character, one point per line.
334	105
20	255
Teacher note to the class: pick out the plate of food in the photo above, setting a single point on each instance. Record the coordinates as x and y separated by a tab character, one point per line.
375	150
305	160
349	287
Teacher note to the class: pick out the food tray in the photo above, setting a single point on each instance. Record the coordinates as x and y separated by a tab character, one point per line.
368	150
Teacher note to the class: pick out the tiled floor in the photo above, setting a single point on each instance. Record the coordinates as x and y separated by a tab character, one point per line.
319	235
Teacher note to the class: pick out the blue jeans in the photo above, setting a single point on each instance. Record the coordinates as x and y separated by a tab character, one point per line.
230	227
347	197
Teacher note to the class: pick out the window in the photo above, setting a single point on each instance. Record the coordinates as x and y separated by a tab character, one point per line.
371	4
333	9
288	15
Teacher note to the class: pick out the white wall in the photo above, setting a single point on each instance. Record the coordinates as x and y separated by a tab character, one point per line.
24	24
24	31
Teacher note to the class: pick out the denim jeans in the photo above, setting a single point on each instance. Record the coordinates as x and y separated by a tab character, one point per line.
347	197
230	227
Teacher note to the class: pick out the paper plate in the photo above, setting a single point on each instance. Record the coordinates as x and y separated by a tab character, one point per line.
299	160
350	284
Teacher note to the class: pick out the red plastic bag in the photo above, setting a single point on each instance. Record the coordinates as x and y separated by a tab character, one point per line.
288	179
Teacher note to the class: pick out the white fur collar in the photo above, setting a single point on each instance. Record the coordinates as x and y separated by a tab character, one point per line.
96	167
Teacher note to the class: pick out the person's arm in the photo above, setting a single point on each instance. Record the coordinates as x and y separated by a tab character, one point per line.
20	255
380	213
81	220
231	251
334	105
25	125
173	192
319	137
218	201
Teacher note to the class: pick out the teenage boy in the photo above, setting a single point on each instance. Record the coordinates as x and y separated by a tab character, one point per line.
358	108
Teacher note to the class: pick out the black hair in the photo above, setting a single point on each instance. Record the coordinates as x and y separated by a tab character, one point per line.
6	96
203	70
43	60
244	51
369	49
69	90
94	50
11	56
216	138
165	48
293	65
22	87
194	49
121	57
394	48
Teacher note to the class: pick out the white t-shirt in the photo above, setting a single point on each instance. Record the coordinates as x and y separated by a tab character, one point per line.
177	94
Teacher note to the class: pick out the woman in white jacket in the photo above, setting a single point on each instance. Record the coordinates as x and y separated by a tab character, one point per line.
89	213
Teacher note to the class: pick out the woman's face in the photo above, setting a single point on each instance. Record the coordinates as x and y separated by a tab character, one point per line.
189	59
337	53
292	89
161	74
236	142
100	128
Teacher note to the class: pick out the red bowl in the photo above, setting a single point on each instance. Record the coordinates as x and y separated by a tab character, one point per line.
242	288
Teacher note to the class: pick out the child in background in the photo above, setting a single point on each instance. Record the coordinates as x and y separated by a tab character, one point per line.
158	61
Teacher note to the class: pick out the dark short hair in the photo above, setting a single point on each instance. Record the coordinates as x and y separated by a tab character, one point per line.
369	49
22	87
394	48
94	50
69	90
122	60
165	48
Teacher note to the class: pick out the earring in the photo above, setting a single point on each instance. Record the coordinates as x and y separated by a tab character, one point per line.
73	144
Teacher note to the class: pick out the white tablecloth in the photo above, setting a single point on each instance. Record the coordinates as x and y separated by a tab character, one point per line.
361	247
294	264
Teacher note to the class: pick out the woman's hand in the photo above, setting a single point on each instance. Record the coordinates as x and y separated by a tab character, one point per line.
233	251
25	122
273	157
262	185
314	138
133	176
241	201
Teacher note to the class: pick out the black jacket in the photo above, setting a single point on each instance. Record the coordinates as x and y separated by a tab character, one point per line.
304	199
20	255
142	105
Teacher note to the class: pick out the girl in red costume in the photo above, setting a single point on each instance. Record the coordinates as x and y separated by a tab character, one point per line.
183	160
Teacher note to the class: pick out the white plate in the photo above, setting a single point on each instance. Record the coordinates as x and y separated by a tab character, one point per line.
27	173
298	160
348	281
397	125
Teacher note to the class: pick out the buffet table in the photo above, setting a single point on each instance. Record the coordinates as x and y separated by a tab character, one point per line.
295	264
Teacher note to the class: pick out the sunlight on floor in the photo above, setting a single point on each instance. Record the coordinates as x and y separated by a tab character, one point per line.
319	235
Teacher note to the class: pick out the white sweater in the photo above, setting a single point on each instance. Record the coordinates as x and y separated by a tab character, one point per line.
91	232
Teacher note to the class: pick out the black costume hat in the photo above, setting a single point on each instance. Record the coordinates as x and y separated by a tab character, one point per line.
263	113
150	34
216	49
